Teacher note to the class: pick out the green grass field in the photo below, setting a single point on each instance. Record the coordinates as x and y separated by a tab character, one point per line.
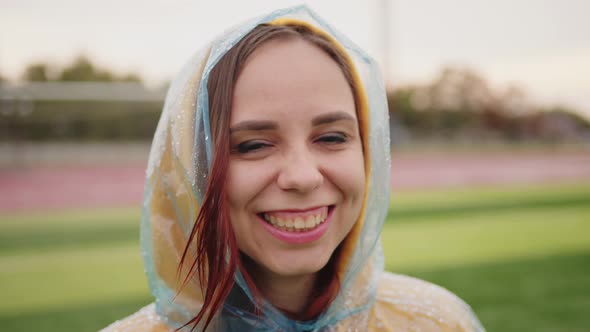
519	256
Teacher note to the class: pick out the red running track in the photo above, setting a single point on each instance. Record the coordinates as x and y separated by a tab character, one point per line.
112	186
70	187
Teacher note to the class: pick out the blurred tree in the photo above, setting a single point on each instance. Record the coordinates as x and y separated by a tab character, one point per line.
514	101
460	105
36	72
459	89
131	77
83	70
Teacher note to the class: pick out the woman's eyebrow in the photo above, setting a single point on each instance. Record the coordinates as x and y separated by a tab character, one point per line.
254	125
332	117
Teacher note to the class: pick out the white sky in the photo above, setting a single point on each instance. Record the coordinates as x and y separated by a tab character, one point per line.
541	45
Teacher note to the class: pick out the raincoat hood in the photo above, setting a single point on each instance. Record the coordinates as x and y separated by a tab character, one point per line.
177	173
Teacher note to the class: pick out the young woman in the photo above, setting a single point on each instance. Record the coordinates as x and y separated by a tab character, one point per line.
267	187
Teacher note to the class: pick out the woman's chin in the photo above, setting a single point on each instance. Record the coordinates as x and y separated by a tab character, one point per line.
294	271
286	265
298	266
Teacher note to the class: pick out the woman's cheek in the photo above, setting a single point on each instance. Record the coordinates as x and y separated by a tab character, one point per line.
347	171
246	180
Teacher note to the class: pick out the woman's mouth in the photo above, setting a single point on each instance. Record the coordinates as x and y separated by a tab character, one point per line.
297	226
297	221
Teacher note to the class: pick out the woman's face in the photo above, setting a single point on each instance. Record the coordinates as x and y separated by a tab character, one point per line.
296	170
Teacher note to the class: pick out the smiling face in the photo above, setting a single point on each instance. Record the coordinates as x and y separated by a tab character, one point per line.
296	174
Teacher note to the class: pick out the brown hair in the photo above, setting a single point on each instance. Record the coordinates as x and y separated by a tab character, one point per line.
212	229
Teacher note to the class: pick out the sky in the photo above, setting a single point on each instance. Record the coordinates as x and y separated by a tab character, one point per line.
543	46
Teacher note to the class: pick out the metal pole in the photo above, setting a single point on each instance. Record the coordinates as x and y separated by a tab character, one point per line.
385	9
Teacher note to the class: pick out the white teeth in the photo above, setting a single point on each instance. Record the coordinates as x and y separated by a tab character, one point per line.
310	222
298	224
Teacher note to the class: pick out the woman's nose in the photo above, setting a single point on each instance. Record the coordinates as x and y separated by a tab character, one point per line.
300	172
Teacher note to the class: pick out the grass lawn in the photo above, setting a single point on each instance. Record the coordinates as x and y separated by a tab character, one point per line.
519	256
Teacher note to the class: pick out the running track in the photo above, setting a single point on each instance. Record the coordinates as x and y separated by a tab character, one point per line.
122	185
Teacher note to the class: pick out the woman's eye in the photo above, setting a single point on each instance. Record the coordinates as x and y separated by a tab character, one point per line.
250	146
334	138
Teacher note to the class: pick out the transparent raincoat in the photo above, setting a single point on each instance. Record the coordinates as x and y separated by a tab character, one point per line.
369	298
